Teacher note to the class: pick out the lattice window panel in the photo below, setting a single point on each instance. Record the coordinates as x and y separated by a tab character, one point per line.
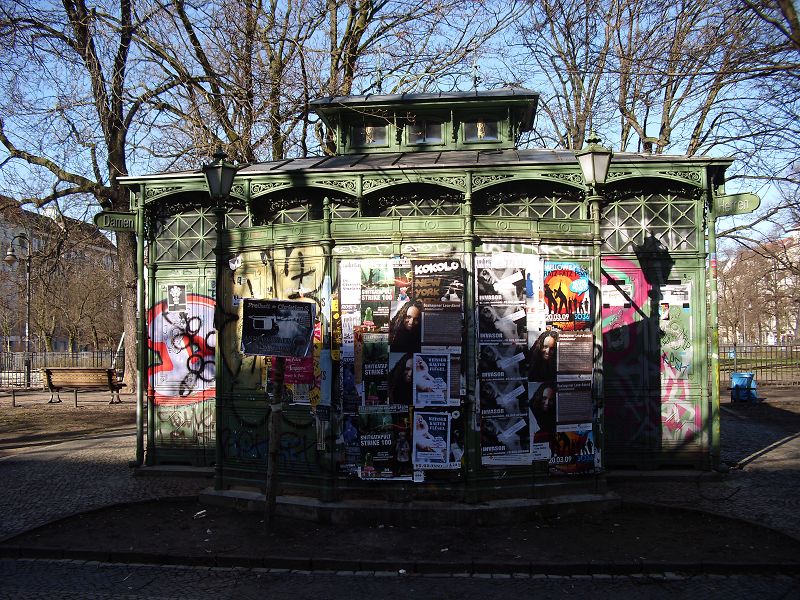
668	218
295	214
422	207
541	207
191	236
343	211
236	219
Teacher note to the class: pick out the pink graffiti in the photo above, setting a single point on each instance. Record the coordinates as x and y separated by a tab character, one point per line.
679	418
182	369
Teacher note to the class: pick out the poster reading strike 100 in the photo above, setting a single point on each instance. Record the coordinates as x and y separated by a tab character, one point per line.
535	350
400	323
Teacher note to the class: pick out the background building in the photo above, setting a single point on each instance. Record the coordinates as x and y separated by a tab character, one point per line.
74	290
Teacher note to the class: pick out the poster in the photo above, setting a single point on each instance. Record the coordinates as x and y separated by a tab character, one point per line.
348	446
504	399
501	300
505	438
542	419
431	379
567	295
431	440
573	450
277	327
375	367
384	439
507	306
438	285
617	295
502	362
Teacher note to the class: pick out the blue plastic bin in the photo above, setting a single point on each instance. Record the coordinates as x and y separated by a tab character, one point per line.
743	387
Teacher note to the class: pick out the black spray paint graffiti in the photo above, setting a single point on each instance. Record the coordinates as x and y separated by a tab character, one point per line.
188	424
183	343
295	278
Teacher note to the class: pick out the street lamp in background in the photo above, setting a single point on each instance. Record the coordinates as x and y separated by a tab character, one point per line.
219	179
11	259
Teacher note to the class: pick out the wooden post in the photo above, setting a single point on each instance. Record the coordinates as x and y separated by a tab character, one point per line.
274	432
13	398
75	392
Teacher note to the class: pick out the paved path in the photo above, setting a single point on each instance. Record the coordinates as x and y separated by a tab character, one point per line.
762	444
44	483
80	580
50	482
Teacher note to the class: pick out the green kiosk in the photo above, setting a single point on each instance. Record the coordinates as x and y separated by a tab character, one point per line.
490	321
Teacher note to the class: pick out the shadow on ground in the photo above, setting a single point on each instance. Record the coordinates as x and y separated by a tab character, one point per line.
184	529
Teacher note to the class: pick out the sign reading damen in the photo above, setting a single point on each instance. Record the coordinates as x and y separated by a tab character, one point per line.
277	327
115	221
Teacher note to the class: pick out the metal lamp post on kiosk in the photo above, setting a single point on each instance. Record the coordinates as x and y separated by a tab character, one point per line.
219	178
594	161
11	259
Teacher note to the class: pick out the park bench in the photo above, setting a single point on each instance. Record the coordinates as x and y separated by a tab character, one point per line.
81	379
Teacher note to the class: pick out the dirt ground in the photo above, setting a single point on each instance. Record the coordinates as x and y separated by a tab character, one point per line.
33	421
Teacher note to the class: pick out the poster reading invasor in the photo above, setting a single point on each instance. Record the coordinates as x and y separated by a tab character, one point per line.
508	306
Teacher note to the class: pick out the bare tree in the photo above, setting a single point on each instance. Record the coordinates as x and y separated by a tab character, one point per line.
72	94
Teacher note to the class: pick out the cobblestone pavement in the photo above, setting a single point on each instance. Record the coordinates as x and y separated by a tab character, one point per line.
48	482
44	483
761	444
80	580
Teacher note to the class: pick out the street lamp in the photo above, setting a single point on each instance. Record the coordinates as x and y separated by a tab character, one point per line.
11	259
594	161
219	179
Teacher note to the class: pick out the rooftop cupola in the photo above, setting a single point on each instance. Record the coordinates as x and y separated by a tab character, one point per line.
475	120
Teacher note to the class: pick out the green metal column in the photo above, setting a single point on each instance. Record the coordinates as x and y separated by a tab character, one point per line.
594	201
472	440
328	491
714	330
141	342
219	320
151	401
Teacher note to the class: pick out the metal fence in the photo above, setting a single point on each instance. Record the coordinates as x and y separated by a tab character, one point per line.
12	364
771	365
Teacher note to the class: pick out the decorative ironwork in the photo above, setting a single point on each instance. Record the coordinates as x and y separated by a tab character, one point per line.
153	192
693	176
459	181
344	210
257	189
185	236
370	184
667	217
479	181
347	185
417	206
238	190
554	206
570	177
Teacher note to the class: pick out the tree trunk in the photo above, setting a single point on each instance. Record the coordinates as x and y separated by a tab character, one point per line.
126	254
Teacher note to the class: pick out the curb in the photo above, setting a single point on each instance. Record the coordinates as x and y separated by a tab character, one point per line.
444	568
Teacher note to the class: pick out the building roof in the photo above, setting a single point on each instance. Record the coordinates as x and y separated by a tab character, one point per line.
455	159
427	97
43	225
